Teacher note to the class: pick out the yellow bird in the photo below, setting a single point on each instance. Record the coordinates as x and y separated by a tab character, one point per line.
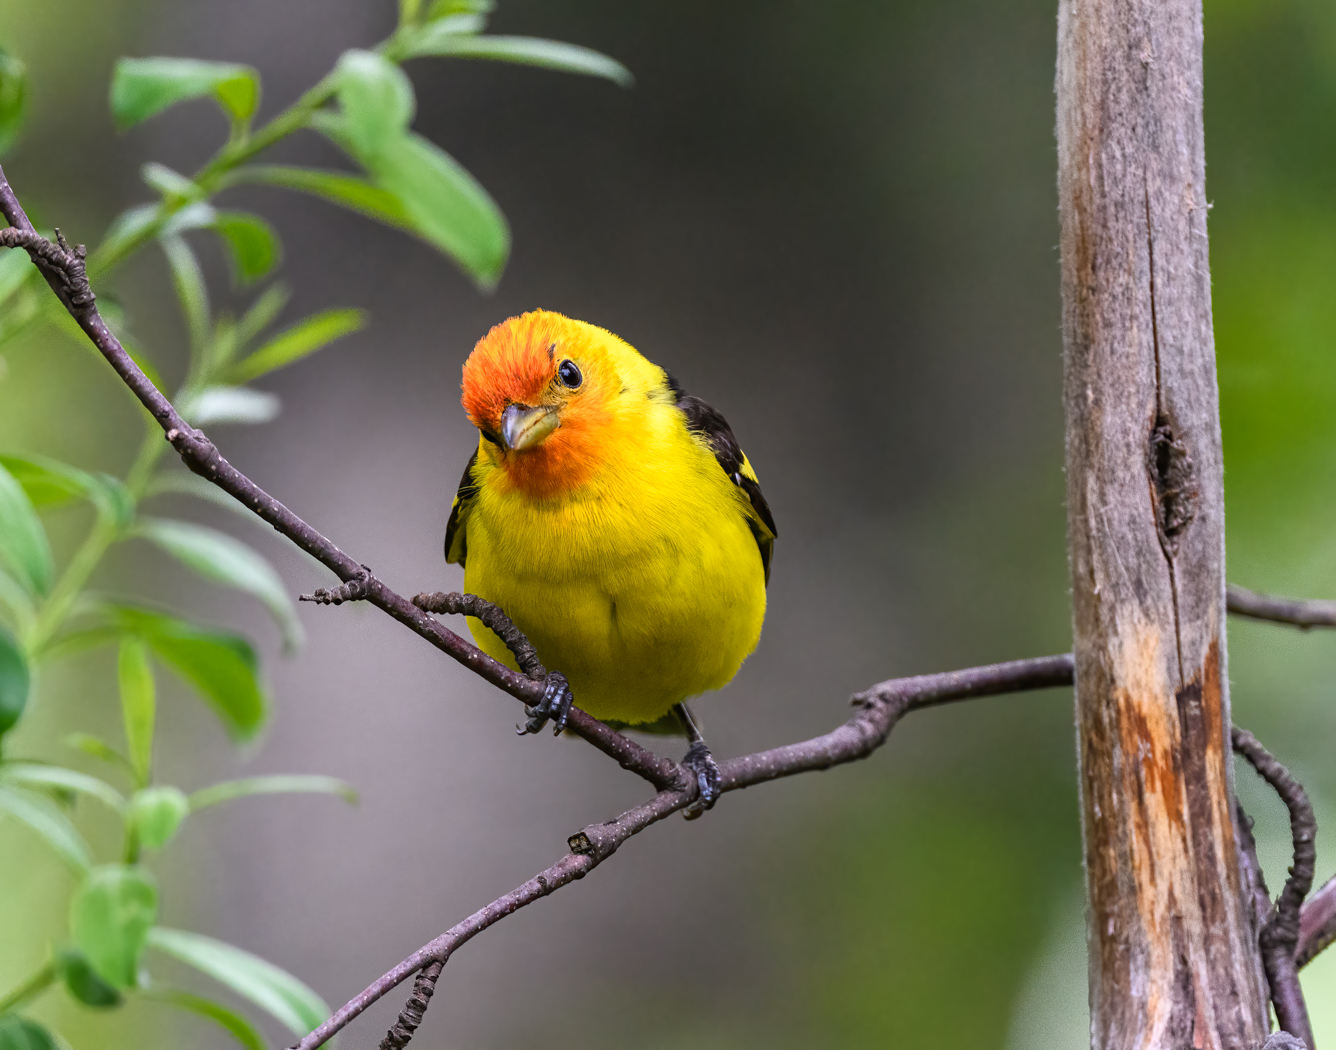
615	520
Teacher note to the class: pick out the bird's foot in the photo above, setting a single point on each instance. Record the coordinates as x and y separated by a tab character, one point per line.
699	760
555	706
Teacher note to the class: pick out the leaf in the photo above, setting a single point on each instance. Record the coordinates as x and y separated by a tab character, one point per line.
50	483
44	817
221	666
18	1033
271	989
156	814
110	918
524	50
138	706
83	982
191	291
252	244
172	185
271	785
226	560
128	225
447	205
99	749
230	404
14	682
347	191
376	101
15	269
24	549
144	87
261	313
237	1026
198	216
303	338
41	775
13	98
445	8
18	602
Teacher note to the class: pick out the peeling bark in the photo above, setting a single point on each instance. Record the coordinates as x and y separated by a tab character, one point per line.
1173	942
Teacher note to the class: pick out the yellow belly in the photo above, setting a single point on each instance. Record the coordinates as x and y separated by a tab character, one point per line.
641	604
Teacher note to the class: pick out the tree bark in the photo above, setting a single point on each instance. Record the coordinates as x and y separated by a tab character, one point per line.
1173	945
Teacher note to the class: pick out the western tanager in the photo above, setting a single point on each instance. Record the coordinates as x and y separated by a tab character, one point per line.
615	520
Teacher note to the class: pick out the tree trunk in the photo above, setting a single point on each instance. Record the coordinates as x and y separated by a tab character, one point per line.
1173	949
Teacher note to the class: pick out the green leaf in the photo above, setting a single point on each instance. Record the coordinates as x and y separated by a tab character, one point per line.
271	785
44	817
138	706
271	989
110	918
50	483
376	100
18	1033
14	682
83	982
261	313
13	98
15	269
99	749
24	549
19	603
251	242
447	205
216	405
128	225
237	1026
41	775
198	216
445	8
191	291
303	338
172	185
221	666
156	814
143	87
524	50
347	191
223	559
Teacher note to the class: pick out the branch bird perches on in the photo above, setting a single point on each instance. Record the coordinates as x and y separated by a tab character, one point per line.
879	707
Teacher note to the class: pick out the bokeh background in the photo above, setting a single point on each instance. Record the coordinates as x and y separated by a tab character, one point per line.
838	224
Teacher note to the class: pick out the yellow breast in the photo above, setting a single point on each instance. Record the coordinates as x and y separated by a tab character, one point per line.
643	585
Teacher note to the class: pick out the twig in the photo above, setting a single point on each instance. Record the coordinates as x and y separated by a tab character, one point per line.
492	617
65	272
881	707
1317	924
1300	612
1280	935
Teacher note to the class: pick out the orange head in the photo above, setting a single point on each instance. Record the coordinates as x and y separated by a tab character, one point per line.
544	391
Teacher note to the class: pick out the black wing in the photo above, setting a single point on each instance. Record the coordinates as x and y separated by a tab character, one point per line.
704	420
456	538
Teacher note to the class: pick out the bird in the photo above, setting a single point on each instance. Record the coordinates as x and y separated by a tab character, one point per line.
616	521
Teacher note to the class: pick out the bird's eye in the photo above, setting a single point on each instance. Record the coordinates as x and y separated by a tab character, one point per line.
569	374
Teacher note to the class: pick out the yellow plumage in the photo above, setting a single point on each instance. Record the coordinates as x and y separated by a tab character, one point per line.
619	541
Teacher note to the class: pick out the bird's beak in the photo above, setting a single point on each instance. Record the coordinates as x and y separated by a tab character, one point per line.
525	427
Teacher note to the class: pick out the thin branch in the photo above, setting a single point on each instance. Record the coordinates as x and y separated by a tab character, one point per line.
1317	924
1280	935
880	708
64	269
1299	612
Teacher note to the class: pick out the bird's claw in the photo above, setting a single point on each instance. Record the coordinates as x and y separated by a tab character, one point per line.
699	760
555	706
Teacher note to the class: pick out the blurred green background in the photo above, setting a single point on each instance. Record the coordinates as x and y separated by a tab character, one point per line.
837	223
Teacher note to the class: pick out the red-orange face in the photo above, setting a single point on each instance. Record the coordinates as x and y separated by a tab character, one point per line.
538	387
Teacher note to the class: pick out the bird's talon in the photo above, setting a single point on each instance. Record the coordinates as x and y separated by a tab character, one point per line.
555	706
708	787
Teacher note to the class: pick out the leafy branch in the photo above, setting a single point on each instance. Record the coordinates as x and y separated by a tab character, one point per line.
365	104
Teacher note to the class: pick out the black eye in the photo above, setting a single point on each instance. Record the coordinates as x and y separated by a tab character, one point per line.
569	374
